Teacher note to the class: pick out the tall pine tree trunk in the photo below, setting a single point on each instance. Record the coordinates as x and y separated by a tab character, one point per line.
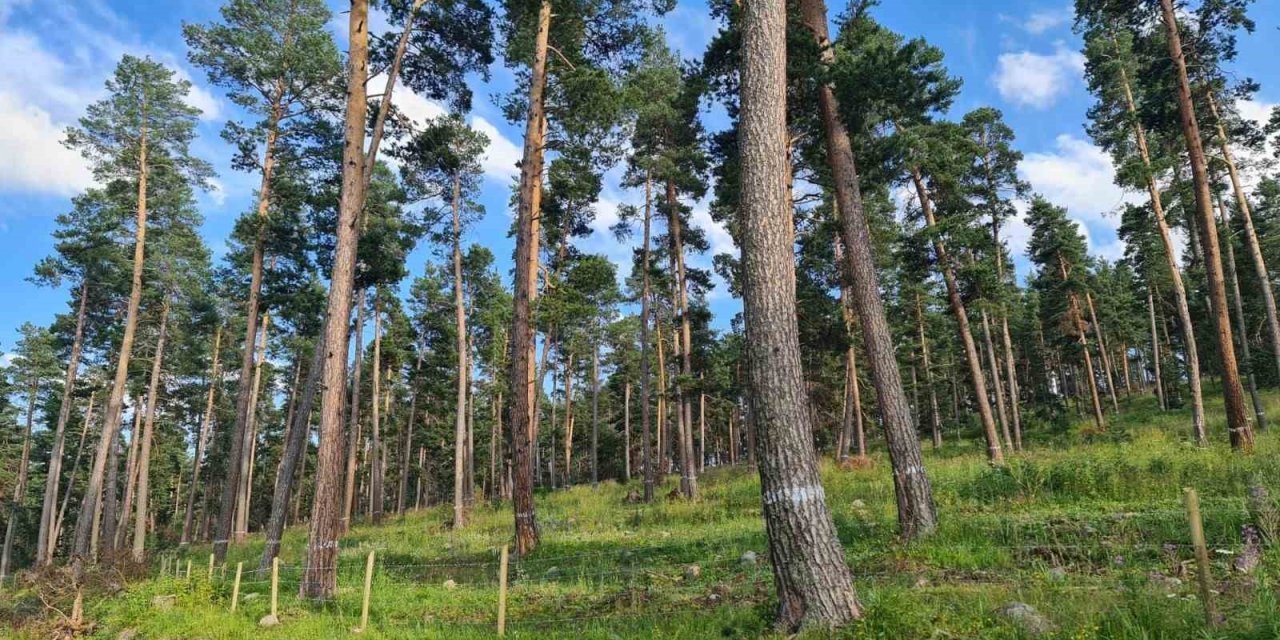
376	467
1108	372
320	579
522	343
1077	322
1155	351
1175	274
814	585
1238	427
353	422
460	328
1250	240
294	454
646	440
994	453
1242	334
20	483
202	438
86	522
935	421
144	451
53	472
688	464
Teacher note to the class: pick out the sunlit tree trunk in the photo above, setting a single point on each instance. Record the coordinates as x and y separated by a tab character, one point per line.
353	422
202	438
45	543
20	483
1242	334
144	451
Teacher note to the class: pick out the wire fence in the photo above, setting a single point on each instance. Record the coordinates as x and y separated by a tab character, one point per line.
659	581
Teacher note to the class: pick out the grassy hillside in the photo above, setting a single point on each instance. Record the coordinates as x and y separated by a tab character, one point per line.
1089	530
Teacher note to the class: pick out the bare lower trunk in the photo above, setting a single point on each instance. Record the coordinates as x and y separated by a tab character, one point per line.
1259	414
1155	351
45	542
646	440
89	507
1107	370
202	438
375	467
1077	322
935	421
814	585
20	484
295	451
994	452
1238	427
55	530
241	524
626	432
529	210
997	384
353	423
144	452
320	578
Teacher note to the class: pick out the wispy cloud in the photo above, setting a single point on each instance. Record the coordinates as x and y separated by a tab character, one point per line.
1037	80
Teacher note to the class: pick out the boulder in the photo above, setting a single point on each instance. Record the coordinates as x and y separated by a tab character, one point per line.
1026	618
450	585
268	621
749	558
692	572
164	602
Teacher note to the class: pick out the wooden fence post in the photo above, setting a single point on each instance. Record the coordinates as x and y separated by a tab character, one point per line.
1203	577
275	587
368	585
235	588
502	594
188	575
211	567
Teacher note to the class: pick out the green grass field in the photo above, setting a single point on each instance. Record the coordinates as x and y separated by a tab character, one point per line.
1089	530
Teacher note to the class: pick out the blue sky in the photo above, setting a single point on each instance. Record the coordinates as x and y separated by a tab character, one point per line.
1020	57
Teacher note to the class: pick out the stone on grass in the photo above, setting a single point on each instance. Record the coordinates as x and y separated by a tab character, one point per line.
921	582
1026	618
692	572
749	558
1164	583
858	504
450	585
268	621
1057	574
164	602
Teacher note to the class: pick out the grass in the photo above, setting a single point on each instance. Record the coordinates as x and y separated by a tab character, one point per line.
1088	529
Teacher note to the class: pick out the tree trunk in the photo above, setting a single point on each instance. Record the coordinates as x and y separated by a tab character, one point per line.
626	432
522	390
814	585
320	579
240	530
595	416
1179	290
375	467
460	327
44	541
130	484
1251	243
295	452
353	422
688	465
202	438
1238	427
996	383
646	441
20	485
1077	321
1155	351
935	422
144	452
402	493
1259	413
109	517
55	530
89	507
1107	370
994	453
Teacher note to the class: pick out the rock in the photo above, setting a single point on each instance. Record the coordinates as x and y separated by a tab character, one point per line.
1164	583
692	572
268	621
164	602
450	585
552	572
921	582
859	504
1026	618
1251	554
127	634
749	558
250	596
1057	574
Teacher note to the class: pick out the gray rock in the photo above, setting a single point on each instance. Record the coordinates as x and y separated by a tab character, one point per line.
1057	574
921	582
1161	582
450	585
858	504
250	596
268	621
692	572
749	558
164	602
1026	618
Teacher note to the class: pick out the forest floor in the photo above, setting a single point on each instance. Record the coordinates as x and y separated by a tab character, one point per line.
1089	530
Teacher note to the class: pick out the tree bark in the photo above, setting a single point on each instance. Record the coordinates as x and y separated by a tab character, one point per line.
144	452
375	467
89	507
595	416
20	484
294	454
1179	290
646	441
1077	321
626	432
996	383
935	422
1238	427
45	543
688	465
353	423
248	451
1259	414
1251	243
202	438
460	327
994	452
814	585
522	343
1107	370
1155	351
320	579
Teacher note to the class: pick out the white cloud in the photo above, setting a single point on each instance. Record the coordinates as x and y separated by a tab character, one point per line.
1044	20
1037	80
502	155
717	234
32	158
